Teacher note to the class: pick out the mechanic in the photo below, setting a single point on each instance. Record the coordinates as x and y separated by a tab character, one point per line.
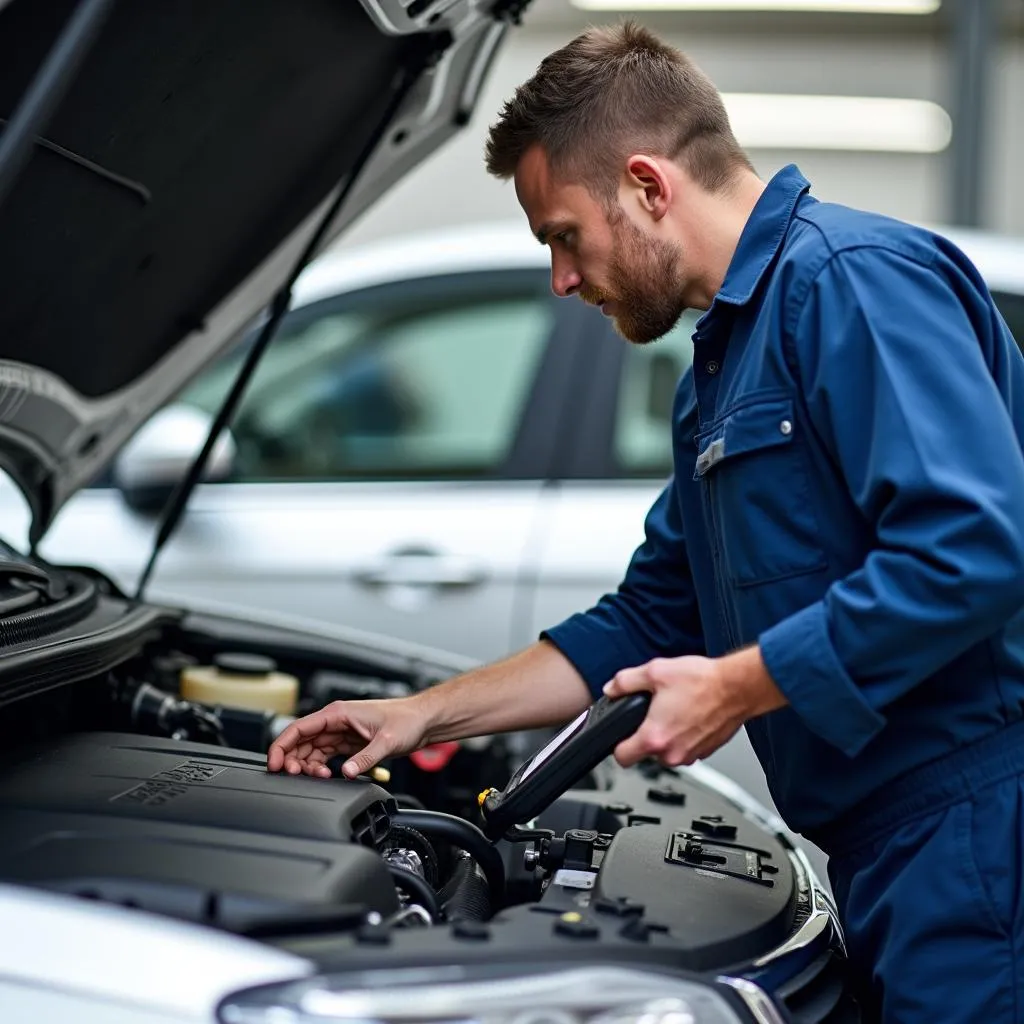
838	560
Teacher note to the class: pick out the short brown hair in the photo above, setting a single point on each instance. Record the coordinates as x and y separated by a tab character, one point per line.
611	92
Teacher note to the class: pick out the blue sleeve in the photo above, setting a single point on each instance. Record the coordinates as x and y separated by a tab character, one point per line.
898	389
652	614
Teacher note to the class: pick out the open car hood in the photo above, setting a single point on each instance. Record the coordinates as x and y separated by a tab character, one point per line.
179	180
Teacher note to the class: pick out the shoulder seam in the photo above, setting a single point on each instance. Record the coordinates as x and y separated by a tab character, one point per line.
797	299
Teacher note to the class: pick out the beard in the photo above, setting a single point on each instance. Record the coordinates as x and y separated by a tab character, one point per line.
644	273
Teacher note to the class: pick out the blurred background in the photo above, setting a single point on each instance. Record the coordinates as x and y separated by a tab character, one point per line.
907	107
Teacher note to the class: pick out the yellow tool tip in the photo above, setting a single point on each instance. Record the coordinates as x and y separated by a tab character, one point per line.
483	795
379	774
572	917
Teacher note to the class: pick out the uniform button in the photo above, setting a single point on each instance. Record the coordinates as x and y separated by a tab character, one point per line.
711	367
786	427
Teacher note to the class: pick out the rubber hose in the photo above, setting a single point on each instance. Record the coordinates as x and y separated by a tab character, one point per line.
471	900
466	837
418	889
458	877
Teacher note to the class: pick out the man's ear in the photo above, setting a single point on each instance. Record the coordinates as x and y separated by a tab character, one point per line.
650	186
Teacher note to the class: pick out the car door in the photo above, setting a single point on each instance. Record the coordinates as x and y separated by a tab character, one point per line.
621	457
380	479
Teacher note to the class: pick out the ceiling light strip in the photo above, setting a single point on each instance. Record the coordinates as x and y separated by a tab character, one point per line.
775	6
851	123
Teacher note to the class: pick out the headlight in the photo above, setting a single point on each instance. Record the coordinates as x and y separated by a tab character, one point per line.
584	995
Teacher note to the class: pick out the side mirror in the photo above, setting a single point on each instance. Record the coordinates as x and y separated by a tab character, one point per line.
158	457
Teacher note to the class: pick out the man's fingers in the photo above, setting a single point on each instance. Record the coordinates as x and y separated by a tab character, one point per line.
305	745
312	765
316	764
280	752
303	728
631	751
361	762
311	727
629	680
292	754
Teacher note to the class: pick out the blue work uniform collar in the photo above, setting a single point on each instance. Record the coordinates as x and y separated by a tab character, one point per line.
760	240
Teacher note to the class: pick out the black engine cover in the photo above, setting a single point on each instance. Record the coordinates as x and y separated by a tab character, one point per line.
721	902
189	830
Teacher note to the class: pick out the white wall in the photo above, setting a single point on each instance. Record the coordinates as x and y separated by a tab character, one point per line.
1005	208
453	187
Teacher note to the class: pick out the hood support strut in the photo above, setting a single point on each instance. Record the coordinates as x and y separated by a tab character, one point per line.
47	89
278	307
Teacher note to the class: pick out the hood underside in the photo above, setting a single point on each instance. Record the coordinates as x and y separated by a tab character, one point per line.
177	182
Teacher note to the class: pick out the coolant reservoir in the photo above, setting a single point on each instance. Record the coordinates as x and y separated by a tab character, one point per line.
241	681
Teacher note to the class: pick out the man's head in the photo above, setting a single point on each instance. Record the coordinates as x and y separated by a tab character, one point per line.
614	145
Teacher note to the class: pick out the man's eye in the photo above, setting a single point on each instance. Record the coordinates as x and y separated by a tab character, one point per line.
566	238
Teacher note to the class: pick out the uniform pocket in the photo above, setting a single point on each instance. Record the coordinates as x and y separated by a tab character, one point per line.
990	834
757	491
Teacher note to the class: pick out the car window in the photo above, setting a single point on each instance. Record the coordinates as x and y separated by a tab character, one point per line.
431	384
642	440
1012	308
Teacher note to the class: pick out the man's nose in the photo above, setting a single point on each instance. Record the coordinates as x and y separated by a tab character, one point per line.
565	280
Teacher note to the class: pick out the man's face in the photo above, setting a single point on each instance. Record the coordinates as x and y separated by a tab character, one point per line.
600	255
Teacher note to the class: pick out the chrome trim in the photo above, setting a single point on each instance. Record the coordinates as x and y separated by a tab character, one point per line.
820	899
809	932
822	924
756	1000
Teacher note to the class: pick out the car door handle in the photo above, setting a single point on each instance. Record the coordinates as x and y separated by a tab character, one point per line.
421	569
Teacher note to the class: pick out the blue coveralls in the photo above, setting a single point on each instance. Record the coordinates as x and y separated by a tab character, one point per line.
848	492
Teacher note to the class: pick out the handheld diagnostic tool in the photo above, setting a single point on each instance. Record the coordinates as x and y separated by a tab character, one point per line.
558	766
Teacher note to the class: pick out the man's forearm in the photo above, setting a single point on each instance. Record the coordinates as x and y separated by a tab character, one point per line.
536	687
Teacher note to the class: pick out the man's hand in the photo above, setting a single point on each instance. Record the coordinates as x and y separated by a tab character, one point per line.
368	730
534	688
697	704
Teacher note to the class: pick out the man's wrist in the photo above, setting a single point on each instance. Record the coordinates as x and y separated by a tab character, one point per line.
743	673
429	709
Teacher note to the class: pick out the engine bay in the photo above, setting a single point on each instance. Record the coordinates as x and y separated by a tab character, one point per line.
206	834
117	785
